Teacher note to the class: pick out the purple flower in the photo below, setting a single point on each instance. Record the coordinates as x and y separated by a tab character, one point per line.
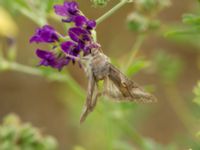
71	48
68	46
78	34
50	59
91	24
82	21
45	34
68	10
82	37
89	46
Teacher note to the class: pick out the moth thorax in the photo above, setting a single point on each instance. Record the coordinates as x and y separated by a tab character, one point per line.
94	52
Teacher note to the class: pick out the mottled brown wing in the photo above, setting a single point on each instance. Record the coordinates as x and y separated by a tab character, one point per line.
120	88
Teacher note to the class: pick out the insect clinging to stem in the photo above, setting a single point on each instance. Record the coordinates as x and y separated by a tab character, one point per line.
116	85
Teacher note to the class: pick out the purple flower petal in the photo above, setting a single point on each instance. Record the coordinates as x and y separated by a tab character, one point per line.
68	20
89	46
50	59
68	10
78	34
68	46
91	24
72	7
43	54
61	10
80	21
45	34
61	62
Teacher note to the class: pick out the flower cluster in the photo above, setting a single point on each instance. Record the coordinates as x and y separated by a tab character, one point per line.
80	35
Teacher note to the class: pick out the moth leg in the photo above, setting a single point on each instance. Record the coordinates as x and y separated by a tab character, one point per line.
95	99
90	91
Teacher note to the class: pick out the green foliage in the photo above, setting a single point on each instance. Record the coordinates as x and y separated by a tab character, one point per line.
15	135
152	145
144	18
168	67
196	92
198	134
148	145
36	10
147	5
140	23
99	2
191	26
151	5
137	65
188	31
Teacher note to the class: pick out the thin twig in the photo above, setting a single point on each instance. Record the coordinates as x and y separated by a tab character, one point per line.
111	11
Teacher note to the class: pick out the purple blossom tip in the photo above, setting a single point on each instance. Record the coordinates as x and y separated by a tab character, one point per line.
67	9
91	24
78	34
50	59
47	58
45	34
82	21
68	46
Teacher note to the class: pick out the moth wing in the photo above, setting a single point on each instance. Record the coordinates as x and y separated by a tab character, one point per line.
120	88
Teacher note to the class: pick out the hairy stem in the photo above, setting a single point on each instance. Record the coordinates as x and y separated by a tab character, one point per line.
126	126
53	76
1	53
137	139
180	108
135	49
111	11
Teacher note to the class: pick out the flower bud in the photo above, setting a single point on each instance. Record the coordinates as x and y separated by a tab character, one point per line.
151	5
137	22
140	23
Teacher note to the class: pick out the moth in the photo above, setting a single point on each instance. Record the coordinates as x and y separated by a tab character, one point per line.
116	85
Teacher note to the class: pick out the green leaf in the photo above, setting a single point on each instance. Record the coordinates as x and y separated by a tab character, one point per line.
191	19
198	134
191	26
122	145
50	4
137	66
138	22
196	92
14	135
168	66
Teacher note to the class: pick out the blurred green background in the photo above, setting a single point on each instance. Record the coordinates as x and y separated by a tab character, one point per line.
168	66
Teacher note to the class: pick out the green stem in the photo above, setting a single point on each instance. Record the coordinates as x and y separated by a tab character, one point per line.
134	135
181	109
135	49
1	53
22	68
111	11
53	76
127	128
